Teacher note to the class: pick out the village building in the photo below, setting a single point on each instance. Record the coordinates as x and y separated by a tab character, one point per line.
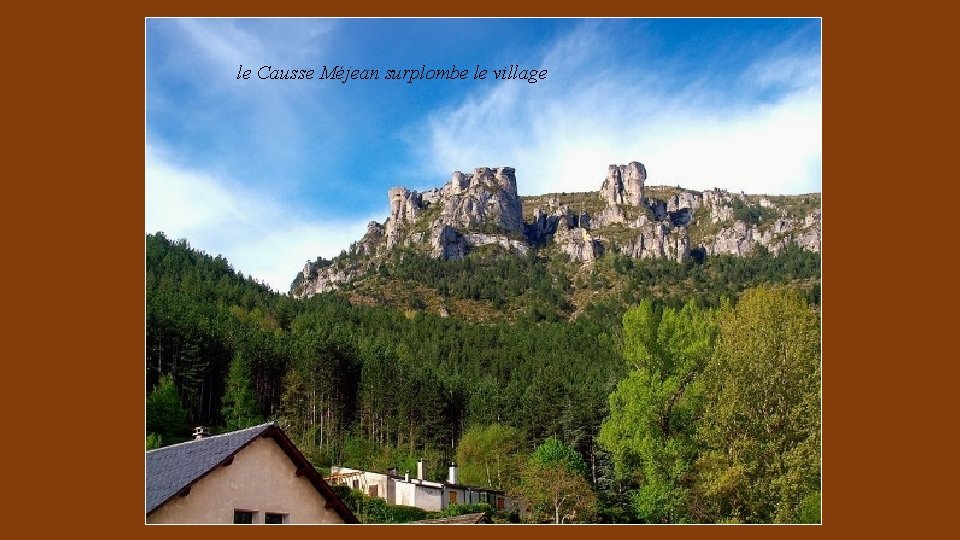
255	475
418	491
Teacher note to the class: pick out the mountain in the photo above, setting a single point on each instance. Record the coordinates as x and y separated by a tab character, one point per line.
473	311
481	216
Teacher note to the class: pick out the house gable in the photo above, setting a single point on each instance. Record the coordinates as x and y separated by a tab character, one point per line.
261	479
175	474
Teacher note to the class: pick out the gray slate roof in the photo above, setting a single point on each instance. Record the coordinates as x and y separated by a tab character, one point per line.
174	467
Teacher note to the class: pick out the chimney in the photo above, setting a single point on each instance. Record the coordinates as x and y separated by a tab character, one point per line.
453	473
200	432
406	476
420	469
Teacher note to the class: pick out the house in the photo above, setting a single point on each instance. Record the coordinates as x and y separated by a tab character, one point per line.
255	475
419	492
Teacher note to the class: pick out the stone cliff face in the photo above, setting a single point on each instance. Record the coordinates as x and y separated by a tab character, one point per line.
405	206
576	243
486	197
658	239
625	216
483	202
624	184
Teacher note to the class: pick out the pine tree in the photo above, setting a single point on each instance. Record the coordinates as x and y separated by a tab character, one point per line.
239	404
166	416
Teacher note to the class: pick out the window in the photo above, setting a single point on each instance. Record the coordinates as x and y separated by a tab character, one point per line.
243	517
453	497
373	490
274	519
356	484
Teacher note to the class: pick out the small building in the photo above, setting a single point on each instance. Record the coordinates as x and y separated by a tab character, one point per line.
255	475
419	492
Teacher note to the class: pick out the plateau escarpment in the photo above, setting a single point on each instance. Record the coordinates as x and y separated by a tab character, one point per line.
482	211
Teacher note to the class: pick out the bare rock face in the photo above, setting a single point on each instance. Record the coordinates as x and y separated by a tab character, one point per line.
610	215
683	200
718	202
547	220
810	237
734	240
326	279
482	208
577	243
482	239
369	244
448	243
486	197
624	184
739	238
405	205
659	239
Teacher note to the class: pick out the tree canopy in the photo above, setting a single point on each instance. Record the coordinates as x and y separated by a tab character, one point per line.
673	392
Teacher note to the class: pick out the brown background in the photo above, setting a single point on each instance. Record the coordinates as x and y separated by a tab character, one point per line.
73	224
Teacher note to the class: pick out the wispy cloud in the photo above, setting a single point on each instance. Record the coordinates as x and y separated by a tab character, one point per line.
197	104
261	235
762	136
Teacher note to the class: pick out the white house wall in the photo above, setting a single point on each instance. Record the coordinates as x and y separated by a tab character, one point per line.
430	497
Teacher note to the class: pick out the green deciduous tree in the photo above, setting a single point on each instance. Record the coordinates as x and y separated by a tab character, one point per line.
554	491
166	416
761	425
651	424
491	456
153	441
553	485
554	451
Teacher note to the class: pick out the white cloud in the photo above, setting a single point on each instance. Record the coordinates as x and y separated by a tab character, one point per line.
561	134
224	44
198	92
260	235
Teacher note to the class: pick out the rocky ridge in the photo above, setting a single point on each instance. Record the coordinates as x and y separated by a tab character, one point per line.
625	216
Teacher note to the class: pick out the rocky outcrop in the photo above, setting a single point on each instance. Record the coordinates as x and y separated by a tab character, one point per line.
482	208
448	243
737	237
488	197
371	242
405	206
576	243
659	239
544	225
518	247
624	184
317	279
719	203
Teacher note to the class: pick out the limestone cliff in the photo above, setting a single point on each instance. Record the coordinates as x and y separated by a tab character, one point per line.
625	216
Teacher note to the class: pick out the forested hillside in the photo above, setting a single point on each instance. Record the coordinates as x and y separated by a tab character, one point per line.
663	391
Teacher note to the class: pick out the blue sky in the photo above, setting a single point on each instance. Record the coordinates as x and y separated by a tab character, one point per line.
273	173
